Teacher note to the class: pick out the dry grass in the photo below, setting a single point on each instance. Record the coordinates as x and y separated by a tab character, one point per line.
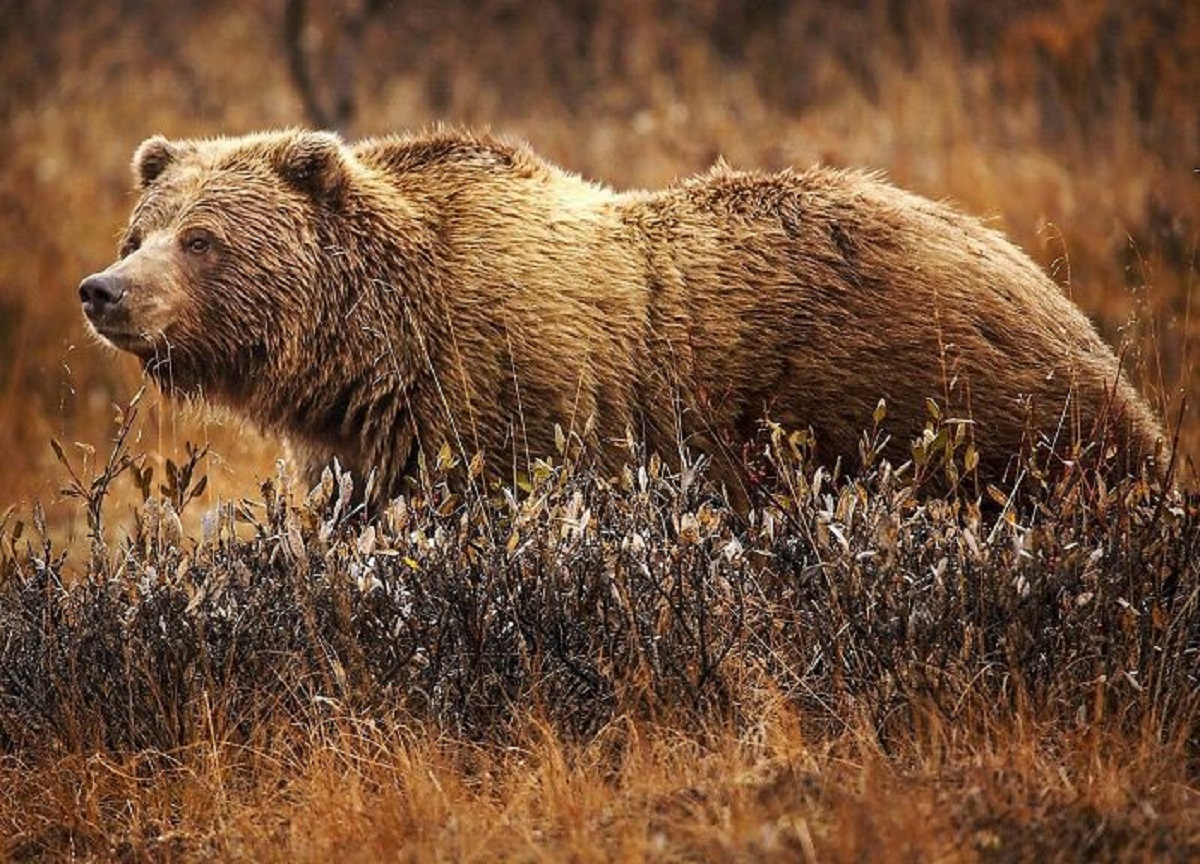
863	679
352	790
1072	127
609	670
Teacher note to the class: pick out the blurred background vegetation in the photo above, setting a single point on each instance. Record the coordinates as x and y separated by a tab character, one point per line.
1073	126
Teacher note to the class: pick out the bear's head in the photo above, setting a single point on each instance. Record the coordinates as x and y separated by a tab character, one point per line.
222	264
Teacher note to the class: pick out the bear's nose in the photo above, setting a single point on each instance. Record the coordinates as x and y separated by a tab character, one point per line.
99	293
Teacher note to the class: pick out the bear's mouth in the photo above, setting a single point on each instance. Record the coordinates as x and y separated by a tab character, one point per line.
126	339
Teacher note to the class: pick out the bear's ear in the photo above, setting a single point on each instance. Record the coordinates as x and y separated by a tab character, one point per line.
315	163
152	158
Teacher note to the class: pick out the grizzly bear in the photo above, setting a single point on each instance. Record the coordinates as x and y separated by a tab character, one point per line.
374	301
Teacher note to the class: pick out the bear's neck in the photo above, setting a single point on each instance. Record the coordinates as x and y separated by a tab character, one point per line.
354	384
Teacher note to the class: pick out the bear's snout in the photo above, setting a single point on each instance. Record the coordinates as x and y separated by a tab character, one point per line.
100	293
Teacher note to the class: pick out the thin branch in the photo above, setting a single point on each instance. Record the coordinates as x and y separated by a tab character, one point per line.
294	15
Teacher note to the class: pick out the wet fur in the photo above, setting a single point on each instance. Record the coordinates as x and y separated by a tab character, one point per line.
370	300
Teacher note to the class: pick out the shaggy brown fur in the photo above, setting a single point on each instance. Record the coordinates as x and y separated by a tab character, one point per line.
371	300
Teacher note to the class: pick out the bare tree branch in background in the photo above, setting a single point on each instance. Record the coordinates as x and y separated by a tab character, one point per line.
333	106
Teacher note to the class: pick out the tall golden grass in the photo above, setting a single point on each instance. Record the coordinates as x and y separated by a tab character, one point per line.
1071	125
357	790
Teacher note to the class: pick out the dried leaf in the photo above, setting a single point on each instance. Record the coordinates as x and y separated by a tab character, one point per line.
295	542
366	541
475	467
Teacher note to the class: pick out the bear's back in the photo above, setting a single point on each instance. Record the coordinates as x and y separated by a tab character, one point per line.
449	152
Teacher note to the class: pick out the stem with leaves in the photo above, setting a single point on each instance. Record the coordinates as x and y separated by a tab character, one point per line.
93	492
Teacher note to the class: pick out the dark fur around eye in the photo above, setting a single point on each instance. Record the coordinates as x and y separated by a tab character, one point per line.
197	242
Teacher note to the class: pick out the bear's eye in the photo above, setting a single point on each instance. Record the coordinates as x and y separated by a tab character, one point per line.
132	243
197	242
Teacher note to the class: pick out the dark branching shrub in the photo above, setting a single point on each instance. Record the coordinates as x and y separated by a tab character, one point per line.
585	598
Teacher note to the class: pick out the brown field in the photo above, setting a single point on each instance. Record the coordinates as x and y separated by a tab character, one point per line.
1073	126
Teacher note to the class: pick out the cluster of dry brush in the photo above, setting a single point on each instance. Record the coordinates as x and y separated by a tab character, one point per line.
583	598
